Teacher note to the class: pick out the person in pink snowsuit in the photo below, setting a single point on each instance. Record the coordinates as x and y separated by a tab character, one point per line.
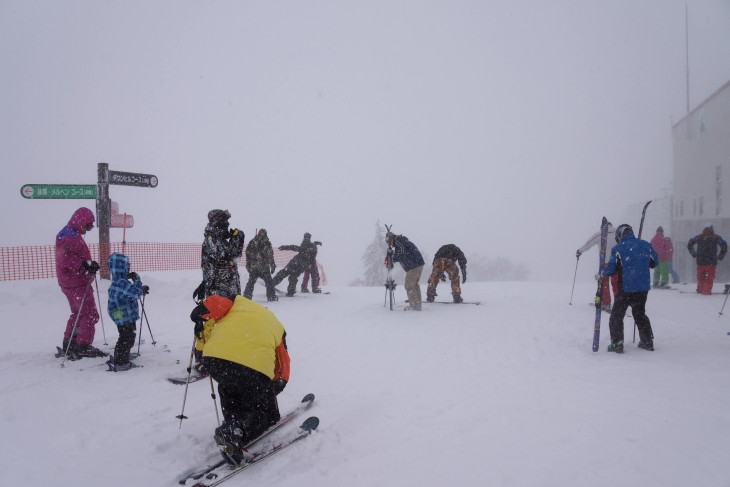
75	272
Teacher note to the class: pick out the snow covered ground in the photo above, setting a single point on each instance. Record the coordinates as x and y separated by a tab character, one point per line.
508	393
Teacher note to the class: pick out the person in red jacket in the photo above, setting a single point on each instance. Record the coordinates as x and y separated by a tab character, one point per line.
75	272
707	245
662	246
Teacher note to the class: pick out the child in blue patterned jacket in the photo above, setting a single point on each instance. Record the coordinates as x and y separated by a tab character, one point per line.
124	308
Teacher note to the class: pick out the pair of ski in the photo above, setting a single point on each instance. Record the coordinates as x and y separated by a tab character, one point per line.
221	471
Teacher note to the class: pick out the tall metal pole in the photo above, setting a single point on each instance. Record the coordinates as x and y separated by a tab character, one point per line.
103	215
686	49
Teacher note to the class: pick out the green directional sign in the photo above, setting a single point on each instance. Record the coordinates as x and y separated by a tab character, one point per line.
58	191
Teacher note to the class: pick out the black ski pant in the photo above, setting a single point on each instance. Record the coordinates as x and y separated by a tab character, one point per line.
637	302
293	273
125	342
247	397
253	275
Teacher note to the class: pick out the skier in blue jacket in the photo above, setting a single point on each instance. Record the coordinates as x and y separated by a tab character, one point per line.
123	308
410	258
631	259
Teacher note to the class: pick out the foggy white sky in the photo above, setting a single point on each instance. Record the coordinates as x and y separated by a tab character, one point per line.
508	128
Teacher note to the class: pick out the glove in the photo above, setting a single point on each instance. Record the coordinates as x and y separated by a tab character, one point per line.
133	276
199	293
273	268
317	242
693	254
235	232
145	290
577	254
281	247
278	386
90	267
720	257
463	278
443	278
598	276
199	329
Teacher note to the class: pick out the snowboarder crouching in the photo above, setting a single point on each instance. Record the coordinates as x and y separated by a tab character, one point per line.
445	261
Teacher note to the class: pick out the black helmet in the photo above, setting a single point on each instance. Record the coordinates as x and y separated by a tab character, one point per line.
262	232
218	215
623	230
307	236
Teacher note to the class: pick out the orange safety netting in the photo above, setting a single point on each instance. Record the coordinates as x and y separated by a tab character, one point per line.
39	262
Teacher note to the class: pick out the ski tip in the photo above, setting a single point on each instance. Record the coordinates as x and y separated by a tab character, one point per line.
310	424
309	398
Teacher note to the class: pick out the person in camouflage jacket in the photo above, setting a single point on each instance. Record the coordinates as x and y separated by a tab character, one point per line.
219	257
260	264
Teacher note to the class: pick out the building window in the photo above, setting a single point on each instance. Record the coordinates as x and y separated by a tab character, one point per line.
718	190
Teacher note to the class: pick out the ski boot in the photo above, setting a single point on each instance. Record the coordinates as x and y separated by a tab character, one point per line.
72	353
646	345
316	290
229	438
90	351
304	289
272	298
458	299
617	347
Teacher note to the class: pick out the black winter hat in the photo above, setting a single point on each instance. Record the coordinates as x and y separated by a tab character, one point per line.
307	236
660	230
218	215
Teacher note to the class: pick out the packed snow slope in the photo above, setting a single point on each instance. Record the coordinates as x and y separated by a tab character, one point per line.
507	393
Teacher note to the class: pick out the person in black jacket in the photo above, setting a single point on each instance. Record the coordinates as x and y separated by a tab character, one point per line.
707	257
306	258
445	261
404	251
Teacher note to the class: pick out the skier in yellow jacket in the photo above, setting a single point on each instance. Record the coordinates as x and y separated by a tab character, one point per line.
245	352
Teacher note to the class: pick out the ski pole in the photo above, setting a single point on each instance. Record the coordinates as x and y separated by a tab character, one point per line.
73	330
144	315
101	315
141	328
182	416
215	403
727	293
574	276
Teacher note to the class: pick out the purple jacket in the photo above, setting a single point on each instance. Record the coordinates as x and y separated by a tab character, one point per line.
71	251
